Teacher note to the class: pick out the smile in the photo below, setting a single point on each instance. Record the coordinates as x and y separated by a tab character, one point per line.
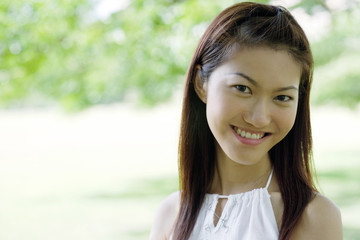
248	135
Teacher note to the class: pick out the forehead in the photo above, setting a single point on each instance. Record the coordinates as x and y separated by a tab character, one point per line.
263	64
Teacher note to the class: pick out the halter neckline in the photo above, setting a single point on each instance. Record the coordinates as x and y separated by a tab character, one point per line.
266	187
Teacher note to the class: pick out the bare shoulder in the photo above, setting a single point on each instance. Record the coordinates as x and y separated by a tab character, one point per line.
321	220
165	217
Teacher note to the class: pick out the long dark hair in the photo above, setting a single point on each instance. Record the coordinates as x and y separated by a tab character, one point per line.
251	25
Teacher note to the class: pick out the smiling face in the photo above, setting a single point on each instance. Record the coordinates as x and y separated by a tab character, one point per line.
251	102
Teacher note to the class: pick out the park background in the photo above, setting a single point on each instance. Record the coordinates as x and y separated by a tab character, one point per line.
90	101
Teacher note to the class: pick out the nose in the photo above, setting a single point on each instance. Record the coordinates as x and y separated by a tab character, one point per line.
258	114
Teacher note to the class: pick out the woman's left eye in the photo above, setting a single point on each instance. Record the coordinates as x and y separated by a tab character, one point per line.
243	89
283	98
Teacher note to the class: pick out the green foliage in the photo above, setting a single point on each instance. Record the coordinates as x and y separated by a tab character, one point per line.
59	52
339	81
337	58
46	51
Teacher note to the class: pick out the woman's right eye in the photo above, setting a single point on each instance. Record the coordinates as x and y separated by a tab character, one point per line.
243	89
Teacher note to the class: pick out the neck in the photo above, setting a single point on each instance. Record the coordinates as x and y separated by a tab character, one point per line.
233	178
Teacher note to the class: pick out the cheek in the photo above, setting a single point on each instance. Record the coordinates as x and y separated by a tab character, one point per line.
219	111
214	111
285	120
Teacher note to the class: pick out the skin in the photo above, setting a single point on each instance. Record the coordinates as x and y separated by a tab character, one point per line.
256	90
247	92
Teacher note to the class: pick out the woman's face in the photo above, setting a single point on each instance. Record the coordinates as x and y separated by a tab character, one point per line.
251	102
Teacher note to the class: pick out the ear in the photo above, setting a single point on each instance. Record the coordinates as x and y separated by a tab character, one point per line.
200	85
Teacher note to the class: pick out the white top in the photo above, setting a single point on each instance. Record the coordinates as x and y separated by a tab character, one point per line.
246	216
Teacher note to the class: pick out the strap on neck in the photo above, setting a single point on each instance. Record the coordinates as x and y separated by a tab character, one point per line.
269	179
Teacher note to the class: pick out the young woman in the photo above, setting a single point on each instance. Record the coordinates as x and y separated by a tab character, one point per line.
245	144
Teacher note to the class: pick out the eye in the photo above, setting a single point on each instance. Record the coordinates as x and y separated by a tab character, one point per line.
243	89
283	98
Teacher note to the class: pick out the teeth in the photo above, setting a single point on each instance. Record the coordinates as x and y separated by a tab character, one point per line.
248	135
238	131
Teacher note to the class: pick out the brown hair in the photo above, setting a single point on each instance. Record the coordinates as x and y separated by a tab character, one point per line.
246	24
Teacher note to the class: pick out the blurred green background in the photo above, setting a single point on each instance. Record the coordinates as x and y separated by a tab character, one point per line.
90	100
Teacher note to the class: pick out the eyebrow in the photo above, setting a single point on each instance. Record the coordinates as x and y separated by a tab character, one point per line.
253	82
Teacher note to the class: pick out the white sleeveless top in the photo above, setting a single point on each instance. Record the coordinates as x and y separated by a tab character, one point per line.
246	216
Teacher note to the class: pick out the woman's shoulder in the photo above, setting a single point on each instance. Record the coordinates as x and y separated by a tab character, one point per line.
321	220
165	218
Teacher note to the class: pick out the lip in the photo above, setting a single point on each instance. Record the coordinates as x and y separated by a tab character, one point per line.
247	141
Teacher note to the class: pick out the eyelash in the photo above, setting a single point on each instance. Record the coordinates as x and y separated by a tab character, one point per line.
246	90
288	98
242	88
